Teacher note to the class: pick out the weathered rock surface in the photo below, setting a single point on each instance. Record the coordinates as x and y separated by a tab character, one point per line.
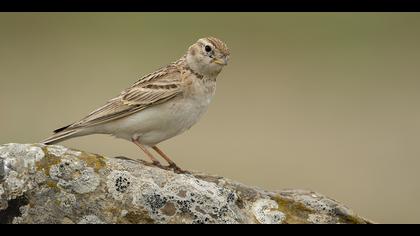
53	184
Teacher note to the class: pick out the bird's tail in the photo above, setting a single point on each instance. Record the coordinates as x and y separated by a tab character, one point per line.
61	136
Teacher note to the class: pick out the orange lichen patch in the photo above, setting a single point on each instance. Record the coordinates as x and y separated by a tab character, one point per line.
95	161
47	162
295	212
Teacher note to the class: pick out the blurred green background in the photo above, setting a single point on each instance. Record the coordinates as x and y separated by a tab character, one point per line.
321	101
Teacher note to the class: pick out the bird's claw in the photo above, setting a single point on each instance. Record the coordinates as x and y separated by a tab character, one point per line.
177	169
171	166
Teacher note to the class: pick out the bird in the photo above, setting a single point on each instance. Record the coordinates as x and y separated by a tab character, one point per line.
160	105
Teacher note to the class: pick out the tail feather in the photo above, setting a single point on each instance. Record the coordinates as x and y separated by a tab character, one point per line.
60	136
61	129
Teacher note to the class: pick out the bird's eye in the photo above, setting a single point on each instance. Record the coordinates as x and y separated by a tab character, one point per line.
207	48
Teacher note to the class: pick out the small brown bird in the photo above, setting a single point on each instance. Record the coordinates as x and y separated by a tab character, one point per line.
160	105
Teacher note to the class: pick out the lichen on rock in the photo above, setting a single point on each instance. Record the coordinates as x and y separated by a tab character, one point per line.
90	219
54	184
195	200
75	176
266	212
119	183
57	151
2	170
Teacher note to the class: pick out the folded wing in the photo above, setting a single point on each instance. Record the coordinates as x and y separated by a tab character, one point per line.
155	88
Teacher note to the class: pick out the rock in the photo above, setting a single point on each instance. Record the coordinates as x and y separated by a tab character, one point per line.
54	184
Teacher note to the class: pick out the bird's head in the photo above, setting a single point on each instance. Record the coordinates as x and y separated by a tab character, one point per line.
208	56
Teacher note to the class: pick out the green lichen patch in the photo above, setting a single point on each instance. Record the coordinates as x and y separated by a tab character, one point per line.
52	185
95	161
114	211
137	218
295	212
47	162
298	213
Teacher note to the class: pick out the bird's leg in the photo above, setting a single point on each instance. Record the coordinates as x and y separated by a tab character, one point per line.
171	163
155	161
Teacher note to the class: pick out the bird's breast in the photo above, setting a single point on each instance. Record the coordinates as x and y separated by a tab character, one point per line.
195	101
164	121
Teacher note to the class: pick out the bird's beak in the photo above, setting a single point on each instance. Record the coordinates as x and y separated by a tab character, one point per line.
222	62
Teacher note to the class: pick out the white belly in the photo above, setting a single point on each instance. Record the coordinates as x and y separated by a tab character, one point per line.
161	122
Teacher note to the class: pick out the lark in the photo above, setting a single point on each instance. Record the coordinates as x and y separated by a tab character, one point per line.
160	105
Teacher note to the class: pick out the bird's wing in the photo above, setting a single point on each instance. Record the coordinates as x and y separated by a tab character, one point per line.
152	89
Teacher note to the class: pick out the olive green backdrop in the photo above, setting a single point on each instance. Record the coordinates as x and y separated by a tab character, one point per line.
323	101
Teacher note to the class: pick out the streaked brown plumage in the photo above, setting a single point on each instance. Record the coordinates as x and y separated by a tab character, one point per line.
177	94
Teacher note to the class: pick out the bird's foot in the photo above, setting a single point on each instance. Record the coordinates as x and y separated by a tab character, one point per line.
177	169
171	166
152	164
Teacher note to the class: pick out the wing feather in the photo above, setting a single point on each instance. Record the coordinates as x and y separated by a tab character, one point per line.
155	88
